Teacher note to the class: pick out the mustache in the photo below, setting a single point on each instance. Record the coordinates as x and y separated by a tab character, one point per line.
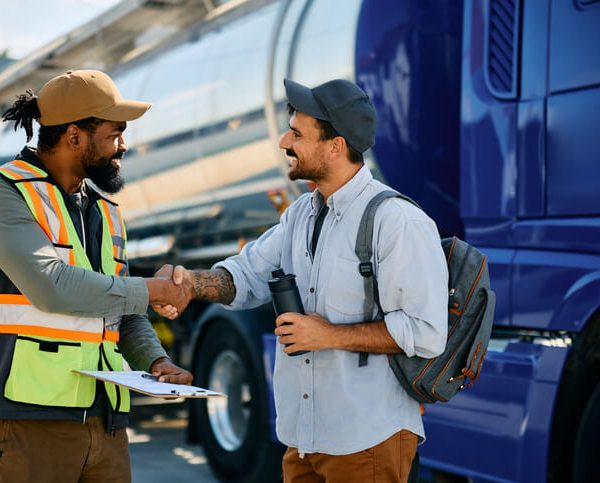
118	156
291	152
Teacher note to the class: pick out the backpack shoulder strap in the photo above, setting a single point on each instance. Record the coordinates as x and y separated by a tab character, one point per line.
364	252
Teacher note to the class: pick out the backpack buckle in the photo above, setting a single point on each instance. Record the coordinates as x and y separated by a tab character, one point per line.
365	269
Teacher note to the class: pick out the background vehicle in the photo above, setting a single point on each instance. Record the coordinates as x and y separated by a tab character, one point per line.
488	116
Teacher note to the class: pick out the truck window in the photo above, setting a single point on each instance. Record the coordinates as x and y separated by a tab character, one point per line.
573	172
574	58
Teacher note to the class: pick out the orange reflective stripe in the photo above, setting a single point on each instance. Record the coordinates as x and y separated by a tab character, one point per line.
111	227
11	174
63	238
76	335
26	167
33	194
108	217
14	299
39	209
19	169
111	336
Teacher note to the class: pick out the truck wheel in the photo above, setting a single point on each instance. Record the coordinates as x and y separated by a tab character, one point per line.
587	444
579	381
234	431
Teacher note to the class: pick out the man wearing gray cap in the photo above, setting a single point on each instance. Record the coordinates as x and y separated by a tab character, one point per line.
342	421
66	300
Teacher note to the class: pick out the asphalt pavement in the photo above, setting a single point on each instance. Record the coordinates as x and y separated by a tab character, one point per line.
157	444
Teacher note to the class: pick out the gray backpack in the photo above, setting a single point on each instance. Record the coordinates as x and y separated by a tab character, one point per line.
470	316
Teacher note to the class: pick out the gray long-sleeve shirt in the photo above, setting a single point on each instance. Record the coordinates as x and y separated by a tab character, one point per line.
31	262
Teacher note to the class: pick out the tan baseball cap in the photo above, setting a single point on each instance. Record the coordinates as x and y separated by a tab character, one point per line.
79	94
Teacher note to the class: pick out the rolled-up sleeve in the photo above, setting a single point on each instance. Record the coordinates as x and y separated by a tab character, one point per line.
31	262
252	268
413	281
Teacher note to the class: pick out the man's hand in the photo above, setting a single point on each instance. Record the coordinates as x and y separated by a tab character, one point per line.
167	296
209	285
176	274
181	278
311	332
166	371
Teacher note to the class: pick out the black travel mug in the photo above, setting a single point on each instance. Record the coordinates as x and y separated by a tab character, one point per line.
286	297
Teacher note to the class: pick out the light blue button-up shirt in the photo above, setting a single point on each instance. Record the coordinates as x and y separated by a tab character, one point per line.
325	402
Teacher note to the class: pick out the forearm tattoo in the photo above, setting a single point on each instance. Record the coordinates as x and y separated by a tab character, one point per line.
214	286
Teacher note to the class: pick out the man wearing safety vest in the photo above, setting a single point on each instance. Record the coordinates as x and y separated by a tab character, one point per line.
66	302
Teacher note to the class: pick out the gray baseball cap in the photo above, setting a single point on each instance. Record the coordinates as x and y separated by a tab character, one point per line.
341	103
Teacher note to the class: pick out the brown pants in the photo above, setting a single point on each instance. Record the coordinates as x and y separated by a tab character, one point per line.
62	452
388	462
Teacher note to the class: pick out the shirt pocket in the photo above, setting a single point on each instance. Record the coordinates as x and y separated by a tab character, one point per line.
345	295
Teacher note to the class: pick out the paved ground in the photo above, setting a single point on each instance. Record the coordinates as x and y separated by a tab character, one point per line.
157	445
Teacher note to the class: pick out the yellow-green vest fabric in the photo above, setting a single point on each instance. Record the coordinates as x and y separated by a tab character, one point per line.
49	346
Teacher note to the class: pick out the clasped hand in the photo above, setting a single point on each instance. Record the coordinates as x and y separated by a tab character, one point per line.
170	291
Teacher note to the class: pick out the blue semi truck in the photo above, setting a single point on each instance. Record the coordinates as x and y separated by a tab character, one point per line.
489	115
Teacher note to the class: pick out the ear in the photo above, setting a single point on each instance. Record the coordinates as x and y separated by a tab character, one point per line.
74	136
338	146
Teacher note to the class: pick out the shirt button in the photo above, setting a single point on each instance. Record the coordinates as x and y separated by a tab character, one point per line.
305	396
312	290
306	254
307	361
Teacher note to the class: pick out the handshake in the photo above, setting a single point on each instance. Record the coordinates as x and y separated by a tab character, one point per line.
171	290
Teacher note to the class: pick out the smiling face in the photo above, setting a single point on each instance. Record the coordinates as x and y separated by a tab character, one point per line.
305	149
102	158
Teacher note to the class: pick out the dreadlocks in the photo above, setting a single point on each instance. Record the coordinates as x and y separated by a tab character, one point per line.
23	112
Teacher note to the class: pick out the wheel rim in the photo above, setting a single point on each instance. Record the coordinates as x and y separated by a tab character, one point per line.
229	417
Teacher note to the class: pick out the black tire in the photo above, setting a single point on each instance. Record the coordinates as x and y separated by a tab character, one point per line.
580	377
587	445
235	434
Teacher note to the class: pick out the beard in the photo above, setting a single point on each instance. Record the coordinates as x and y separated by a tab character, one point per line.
103	173
302	171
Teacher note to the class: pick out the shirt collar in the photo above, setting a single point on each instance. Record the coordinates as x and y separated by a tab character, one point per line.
316	201
339	201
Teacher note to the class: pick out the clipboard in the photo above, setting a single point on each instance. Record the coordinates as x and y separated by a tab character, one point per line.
145	383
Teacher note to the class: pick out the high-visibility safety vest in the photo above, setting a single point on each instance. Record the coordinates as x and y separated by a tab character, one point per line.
50	346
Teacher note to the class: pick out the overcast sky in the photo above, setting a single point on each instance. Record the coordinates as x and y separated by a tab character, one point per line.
26	25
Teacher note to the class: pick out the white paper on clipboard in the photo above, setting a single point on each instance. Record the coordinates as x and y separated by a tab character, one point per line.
145	383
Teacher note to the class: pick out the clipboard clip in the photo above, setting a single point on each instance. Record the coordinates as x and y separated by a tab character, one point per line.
188	393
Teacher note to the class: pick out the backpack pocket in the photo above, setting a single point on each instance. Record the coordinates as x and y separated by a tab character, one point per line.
42	372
